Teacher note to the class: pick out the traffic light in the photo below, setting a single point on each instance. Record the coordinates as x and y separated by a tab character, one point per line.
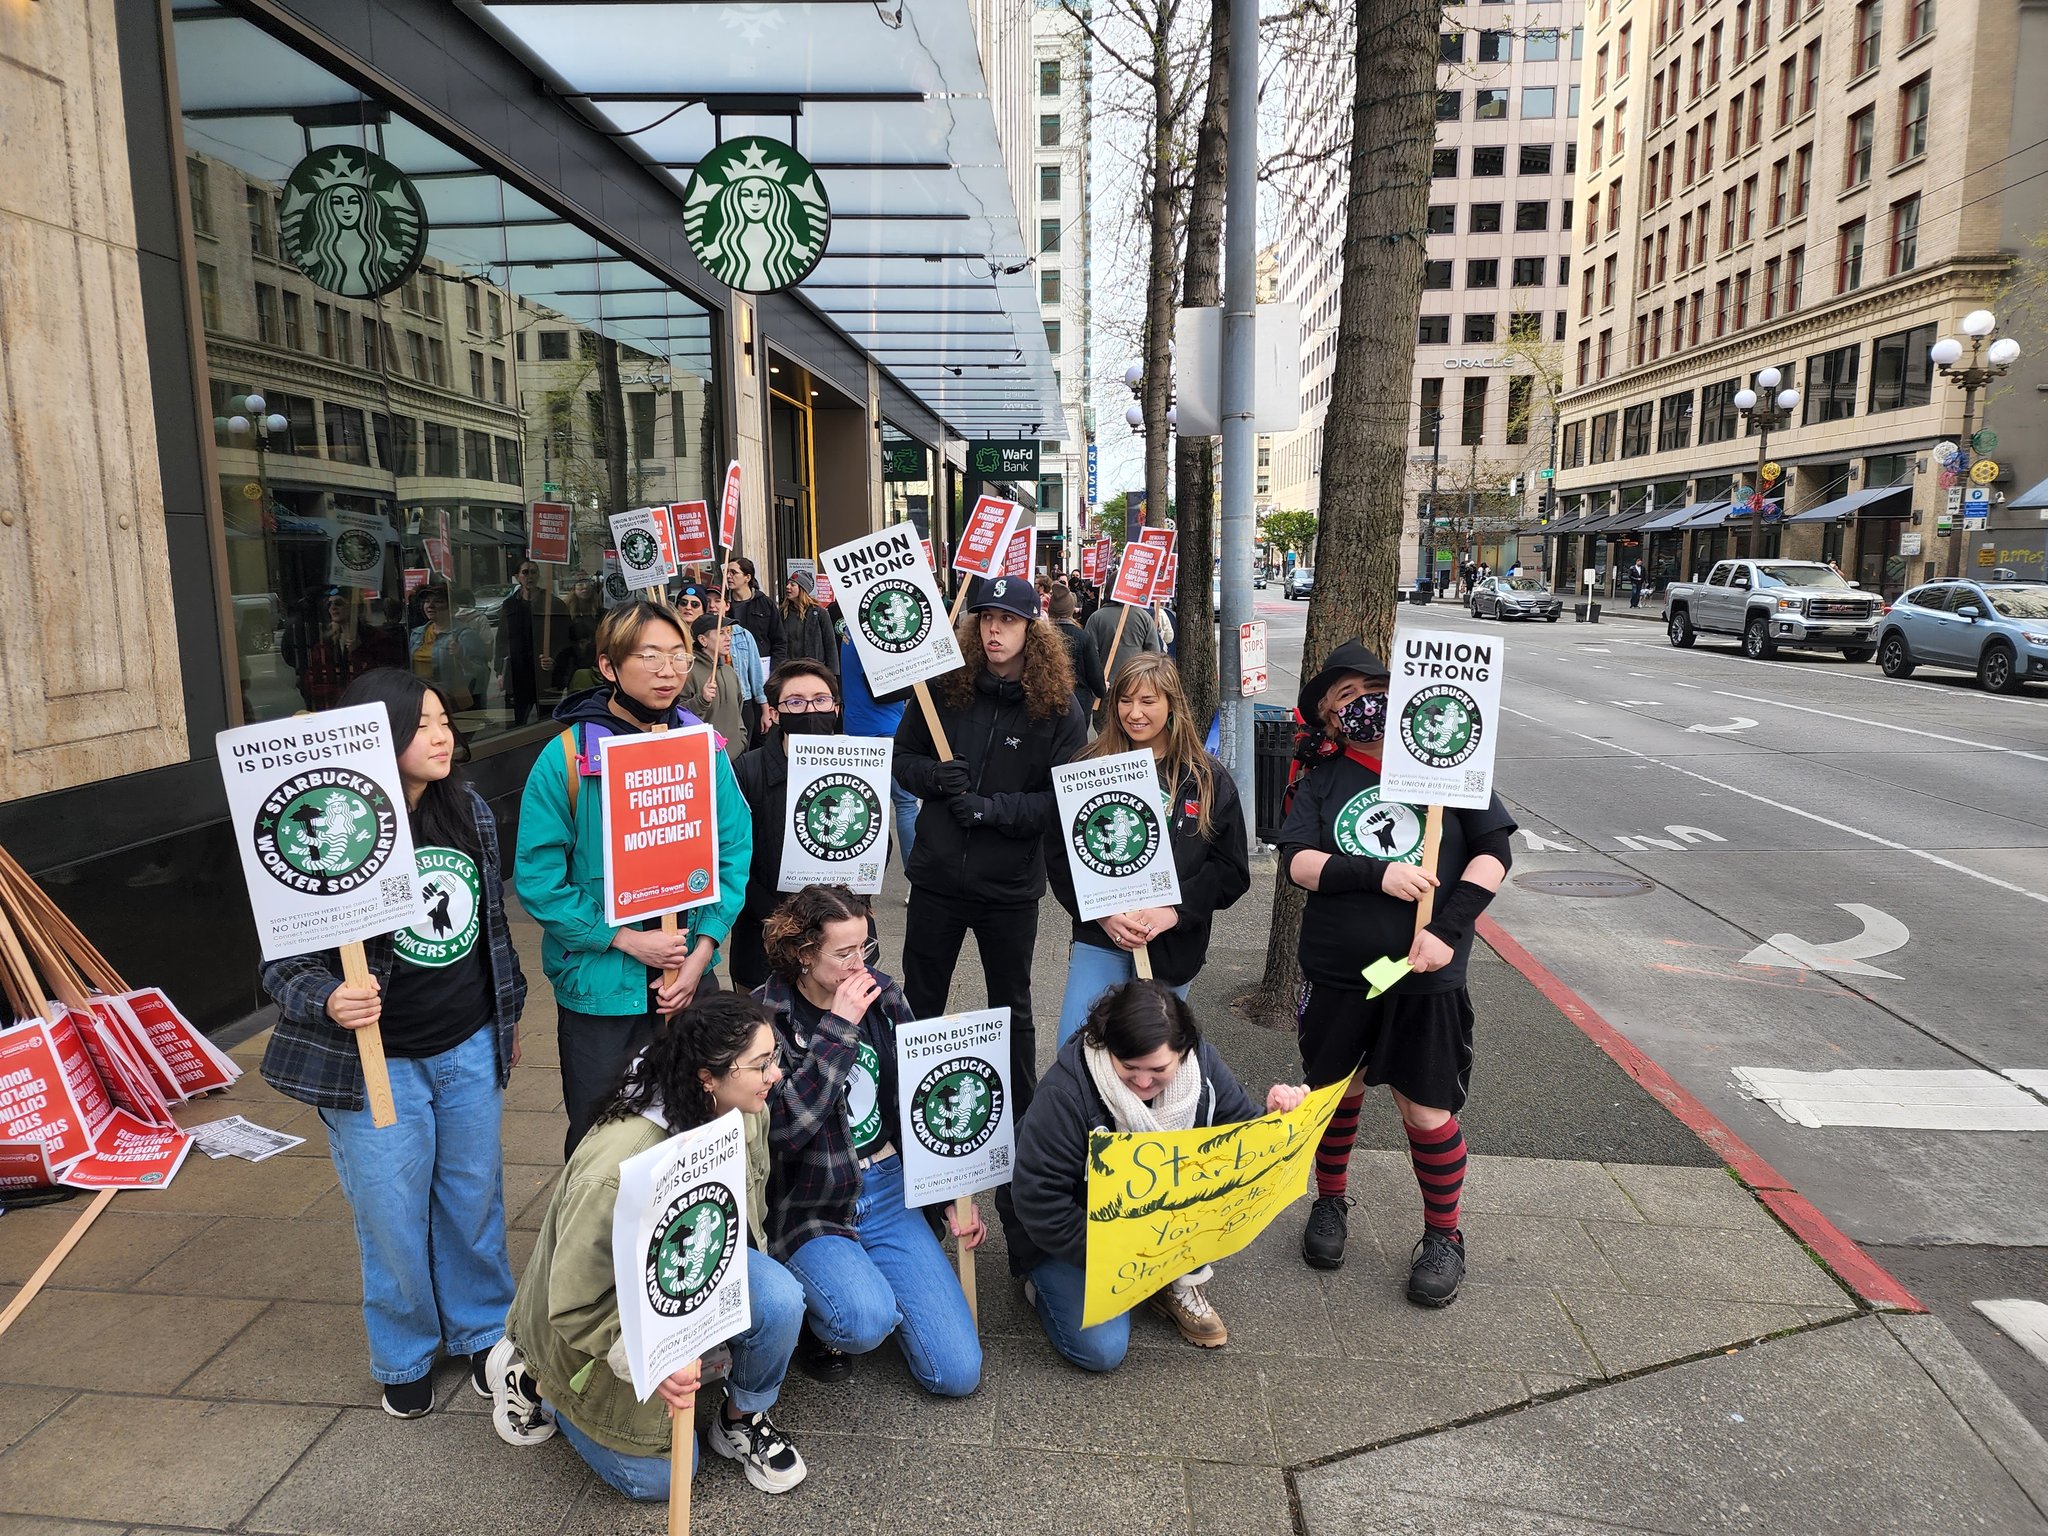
1515	486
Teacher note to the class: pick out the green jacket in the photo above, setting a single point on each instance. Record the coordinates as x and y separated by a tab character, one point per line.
559	875
565	1318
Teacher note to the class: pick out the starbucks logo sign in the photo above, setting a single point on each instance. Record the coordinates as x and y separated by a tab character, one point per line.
639	549
358	550
1370	827
896	615
615	589
352	222
838	817
1441	725
755	215
452	888
693	1246
957	1107
325	832
864	1097
1116	833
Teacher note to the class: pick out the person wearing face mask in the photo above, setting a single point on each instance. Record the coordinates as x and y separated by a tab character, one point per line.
1205	820
803	700
1360	858
1140	1064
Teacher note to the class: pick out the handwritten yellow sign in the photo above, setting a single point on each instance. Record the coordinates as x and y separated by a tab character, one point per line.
1162	1204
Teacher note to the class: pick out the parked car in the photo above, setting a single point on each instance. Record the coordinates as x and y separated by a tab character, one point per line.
1997	629
1770	603
1514	597
1259	578
1301	582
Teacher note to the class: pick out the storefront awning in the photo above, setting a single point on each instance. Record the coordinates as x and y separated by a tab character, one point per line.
1630	521
1708	515
1675	518
1869	503
2030	501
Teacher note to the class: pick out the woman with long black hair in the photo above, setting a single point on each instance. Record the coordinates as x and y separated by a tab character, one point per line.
427	1193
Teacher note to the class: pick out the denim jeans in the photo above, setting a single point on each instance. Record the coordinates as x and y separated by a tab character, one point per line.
906	820
895	1279
760	1359
428	1197
1060	1288
1090	973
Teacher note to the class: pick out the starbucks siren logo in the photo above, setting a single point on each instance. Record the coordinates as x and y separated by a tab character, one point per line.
1373	828
1116	833
352	222
864	1097
615	589
693	1245
325	832
451	886
838	817
957	1107
639	550
358	550
1441	726
755	215
896	615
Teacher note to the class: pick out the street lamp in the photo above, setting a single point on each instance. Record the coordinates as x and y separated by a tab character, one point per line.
1764	415
252	414
1986	363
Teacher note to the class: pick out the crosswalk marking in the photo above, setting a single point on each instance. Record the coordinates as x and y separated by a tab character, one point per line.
1966	1100
2024	1322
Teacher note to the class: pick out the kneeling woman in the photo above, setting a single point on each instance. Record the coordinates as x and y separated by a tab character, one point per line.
1139	1064
836	1215
717	1055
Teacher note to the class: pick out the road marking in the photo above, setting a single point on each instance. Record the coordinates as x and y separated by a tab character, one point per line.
2034	1079
1538	843
1855	672
1637	703
1739	723
1884	725
1676	684
1881	934
2024	1322
1695	834
1643	843
1792	810
1968	1099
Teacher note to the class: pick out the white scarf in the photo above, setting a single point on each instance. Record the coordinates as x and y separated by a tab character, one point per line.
1173	1110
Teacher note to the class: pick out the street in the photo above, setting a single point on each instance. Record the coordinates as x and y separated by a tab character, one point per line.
1801	866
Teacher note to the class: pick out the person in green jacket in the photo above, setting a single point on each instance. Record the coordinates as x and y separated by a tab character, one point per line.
609	991
718	1055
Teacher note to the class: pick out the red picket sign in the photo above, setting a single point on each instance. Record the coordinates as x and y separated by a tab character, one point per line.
1135	577
547	533
131	1154
40	1093
729	508
196	1065
983	540
1021	557
690	530
660	823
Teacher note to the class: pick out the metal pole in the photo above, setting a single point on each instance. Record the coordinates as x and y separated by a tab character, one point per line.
1956	524
1240	438
1428	519
1756	492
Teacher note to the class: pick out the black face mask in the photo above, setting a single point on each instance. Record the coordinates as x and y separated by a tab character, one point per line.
817	722
638	711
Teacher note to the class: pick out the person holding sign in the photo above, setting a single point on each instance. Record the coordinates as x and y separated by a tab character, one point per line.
711	688
803	700
1205	822
450	655
427	1193
1362	860
614	985
836	1215
717	1056
1140	1064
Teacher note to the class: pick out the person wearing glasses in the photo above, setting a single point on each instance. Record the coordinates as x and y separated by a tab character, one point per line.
711	689
803	700
836	1215
609	991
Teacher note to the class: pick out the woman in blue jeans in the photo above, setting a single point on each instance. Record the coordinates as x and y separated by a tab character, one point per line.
1148	709
868	1266
428	1193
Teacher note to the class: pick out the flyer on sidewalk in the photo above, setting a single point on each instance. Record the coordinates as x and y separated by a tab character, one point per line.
838	811
958	1111
1443	718
1114	829
237	1137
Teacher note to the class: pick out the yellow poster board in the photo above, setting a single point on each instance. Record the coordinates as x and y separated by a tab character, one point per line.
1162	1204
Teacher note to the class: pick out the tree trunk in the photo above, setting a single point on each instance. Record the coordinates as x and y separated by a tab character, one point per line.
1194	473
1162	265
1365	434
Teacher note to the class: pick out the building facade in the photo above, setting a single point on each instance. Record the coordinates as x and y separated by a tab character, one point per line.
1061	194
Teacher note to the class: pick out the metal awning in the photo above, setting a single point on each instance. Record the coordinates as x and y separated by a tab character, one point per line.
1596	524
1855	501
1677	517
1710	514
2029	501
1630	521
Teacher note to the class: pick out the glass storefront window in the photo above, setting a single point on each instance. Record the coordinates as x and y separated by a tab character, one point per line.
906	480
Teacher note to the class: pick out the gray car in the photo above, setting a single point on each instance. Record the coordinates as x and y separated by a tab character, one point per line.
1996	629
1514	597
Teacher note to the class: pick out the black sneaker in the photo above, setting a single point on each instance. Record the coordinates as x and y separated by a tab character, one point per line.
1329	1224
819	1360
409	1399
1437	1269
763	1451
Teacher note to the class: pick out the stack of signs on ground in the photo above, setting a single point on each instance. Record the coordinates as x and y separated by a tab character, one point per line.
660	822
642	537
679	1249
1443	718
1114	827
839	812
958	1110
893	612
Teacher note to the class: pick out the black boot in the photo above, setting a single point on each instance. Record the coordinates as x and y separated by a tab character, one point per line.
1437	1269
819	1360
1329	1224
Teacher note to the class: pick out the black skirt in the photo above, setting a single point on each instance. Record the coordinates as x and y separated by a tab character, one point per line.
1417	1043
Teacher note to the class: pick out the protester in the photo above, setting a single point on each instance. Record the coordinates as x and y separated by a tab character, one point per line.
574	666
746	656
1363	884
867	715
806	626
516	653
1140	1064
1140	635
836	1216
711	688
427	1193
1081	653
754	610
1084	597
448	654
803	700
609	987
1008	712
322	648
1205	822
717	1055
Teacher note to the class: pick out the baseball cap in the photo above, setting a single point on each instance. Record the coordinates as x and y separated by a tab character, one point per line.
1012	594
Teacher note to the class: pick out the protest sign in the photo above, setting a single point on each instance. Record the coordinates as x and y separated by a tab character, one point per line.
547	533
127	1081
641	537
958	1109
1162	540
690	524
416	576
824	592
437	556
131	1154
1443	718
679	1251
357	558
1136	576
1162	1204
729	507
24	1166
1091	564
985	536
613	582
660	803
47	1097
1020	556
892	608
194	1063
1114	828
838	810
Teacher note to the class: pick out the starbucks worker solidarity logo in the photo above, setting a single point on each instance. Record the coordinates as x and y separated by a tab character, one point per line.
1442	726
896	615
957	1106
756	215
693	1246
838	817
352	222
1116	833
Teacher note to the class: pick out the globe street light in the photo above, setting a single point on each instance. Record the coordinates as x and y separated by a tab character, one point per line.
1985	364
1764	416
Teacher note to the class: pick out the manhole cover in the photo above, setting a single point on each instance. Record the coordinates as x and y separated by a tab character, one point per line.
1582	882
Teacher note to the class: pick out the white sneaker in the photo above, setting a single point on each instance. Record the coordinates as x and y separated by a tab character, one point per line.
517	1413
763	1451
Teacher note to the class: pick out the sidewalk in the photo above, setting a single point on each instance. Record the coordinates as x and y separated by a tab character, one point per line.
1640	1346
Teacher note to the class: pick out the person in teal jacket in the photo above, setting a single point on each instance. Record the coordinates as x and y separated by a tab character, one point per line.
609	993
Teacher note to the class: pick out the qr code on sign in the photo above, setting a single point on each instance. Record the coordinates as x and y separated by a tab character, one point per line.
1475	781
870	871
1162	880
396	889
998	1159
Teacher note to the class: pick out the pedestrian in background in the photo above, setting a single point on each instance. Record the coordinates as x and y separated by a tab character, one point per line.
516	653
806	627
1089	686
745	655
711	689
1635	585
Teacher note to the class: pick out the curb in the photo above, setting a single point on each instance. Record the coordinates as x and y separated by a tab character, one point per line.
1871	1282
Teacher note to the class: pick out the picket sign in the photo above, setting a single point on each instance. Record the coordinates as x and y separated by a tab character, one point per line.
1118	839
668	979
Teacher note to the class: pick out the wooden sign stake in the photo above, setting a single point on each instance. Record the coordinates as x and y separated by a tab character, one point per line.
355	972
963	1216
668	925
1141	961
49	1265
931	721
681	1437
1432	838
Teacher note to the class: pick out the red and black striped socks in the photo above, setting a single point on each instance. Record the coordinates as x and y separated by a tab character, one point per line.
1333	1152
1439	1158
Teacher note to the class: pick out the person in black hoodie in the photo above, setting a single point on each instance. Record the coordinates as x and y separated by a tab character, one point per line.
803	700
1205	820
979	864
1087	661
754	610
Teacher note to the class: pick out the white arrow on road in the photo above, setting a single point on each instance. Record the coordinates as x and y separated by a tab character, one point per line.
1882	933
1739	723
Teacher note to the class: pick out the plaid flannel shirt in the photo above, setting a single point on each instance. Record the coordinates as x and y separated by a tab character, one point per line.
314	1060
815	1176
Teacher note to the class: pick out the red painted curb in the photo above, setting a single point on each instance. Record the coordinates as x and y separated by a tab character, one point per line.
1863	1274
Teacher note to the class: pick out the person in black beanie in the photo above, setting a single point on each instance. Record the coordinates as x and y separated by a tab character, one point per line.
1359	857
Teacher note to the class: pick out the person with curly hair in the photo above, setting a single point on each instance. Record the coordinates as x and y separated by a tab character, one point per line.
717	1055
979	864
869	1266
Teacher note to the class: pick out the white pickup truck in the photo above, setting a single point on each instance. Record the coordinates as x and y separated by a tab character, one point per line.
1770	603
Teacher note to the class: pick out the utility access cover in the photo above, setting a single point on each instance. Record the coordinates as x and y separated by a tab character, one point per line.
1582	882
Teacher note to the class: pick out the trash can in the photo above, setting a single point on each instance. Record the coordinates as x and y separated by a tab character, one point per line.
1272	750
1586	613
